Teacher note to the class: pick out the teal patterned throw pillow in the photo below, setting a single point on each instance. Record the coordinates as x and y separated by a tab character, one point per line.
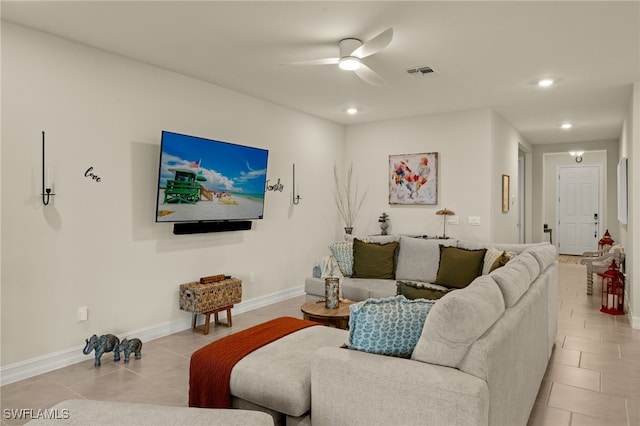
389	326
343	252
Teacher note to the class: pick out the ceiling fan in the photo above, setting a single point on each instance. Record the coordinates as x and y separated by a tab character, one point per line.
352	51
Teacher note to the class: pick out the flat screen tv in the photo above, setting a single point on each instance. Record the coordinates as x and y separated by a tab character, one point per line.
203	180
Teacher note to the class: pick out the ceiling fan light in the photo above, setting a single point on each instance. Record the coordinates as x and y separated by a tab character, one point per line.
349	63
545	82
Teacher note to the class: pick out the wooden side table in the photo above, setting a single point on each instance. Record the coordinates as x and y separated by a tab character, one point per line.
337	318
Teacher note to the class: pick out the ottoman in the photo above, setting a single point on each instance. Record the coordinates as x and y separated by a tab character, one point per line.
277	377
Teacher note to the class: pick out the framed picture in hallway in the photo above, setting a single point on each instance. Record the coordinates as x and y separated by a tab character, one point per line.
505	193
413	178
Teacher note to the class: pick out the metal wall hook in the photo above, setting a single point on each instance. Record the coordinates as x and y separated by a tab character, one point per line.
46	192
296	197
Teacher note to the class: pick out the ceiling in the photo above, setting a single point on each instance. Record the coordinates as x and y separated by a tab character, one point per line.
485	54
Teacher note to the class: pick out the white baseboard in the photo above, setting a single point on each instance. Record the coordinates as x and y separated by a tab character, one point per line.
49	362
634	320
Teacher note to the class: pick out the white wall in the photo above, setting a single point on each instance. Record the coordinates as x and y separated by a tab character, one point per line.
505	143
630	233
97	245
469	172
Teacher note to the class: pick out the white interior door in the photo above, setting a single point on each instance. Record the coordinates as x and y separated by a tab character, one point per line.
578	210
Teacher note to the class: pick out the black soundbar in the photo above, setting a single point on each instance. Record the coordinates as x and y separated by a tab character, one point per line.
205	227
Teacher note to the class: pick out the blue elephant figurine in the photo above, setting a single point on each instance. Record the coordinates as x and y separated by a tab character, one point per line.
102	344
128	346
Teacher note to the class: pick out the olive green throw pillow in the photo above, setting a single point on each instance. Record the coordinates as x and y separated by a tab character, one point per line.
412	291
458	267
502	260
373	260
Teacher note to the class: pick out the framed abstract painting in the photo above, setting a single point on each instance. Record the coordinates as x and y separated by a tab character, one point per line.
413	178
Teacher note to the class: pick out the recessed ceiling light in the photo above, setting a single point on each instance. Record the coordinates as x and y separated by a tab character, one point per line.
566	126
352	110
545	82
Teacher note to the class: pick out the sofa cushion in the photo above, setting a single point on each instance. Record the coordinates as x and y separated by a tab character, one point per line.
458	267
457	320
544	255
389	326
359	289
374	260
88	412
412	290
418	259
517	248
343	253
530	263
515	277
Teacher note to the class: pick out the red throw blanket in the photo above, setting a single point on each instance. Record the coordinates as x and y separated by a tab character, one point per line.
211	365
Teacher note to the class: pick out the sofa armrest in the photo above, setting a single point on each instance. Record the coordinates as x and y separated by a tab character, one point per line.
358	388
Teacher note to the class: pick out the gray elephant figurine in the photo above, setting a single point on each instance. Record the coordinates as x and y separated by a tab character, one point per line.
102	344
128	346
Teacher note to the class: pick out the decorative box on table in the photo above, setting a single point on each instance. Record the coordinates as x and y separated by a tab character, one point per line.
210	298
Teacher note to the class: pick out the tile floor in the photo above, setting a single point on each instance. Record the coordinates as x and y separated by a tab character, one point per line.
593	377
594	374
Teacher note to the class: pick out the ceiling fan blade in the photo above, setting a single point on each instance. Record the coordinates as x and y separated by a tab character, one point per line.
369	76
374	45
325	61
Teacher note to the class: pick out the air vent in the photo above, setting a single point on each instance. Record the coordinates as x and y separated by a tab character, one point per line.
416	72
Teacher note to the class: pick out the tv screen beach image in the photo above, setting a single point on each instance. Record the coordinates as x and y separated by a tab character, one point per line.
203	180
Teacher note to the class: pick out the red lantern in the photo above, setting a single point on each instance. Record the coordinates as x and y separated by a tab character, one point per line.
613	290
606	240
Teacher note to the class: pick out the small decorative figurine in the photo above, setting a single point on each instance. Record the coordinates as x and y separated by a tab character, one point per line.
383	223
128	346
102	344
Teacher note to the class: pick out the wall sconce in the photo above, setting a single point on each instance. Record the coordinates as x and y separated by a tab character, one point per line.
578	155
46	187
296	197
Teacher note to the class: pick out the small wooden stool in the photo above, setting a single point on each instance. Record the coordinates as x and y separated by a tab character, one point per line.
210	298
207	321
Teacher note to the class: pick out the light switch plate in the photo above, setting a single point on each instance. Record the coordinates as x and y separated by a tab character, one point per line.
474	220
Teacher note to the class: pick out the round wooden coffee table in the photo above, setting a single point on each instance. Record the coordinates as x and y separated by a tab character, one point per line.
338	318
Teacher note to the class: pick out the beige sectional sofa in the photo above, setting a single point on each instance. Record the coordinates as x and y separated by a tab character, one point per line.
480	358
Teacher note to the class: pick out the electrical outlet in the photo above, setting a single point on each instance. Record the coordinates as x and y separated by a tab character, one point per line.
83	313
252	278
